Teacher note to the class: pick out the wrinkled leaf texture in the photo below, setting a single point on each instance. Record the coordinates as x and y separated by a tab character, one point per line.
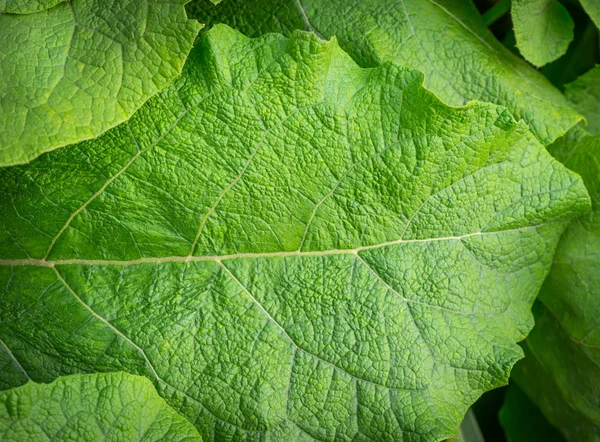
103	406
445	39
289	246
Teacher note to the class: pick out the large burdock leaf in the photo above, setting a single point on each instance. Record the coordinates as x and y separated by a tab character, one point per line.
111	407
71	70
289	246
445	39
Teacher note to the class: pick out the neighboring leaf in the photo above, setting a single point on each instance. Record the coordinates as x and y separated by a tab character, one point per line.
468	63
561	370
522	420
547	377
543	29
582	55
73	71
109	407
584	93
290	246
592	7
26	6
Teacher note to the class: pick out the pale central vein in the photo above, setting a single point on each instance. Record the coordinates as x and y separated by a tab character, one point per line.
218	258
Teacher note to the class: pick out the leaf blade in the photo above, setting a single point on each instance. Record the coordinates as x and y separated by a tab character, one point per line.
307	301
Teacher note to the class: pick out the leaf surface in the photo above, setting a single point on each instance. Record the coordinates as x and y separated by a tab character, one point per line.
110	407
72	71
445	39
288	245
543	29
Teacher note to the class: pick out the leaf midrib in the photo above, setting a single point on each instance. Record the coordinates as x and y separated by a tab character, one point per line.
43	262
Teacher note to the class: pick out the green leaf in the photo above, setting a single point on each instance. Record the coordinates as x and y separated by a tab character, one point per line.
565	390
584	93
111	407
580	57
561	370
592	7
26	6
468	63
288	245
522	421
543	29
75	70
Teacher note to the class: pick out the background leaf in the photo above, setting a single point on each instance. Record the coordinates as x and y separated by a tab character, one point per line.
523	421
581	56
592	7
111	407
560	372
585	94
75	70
543	29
